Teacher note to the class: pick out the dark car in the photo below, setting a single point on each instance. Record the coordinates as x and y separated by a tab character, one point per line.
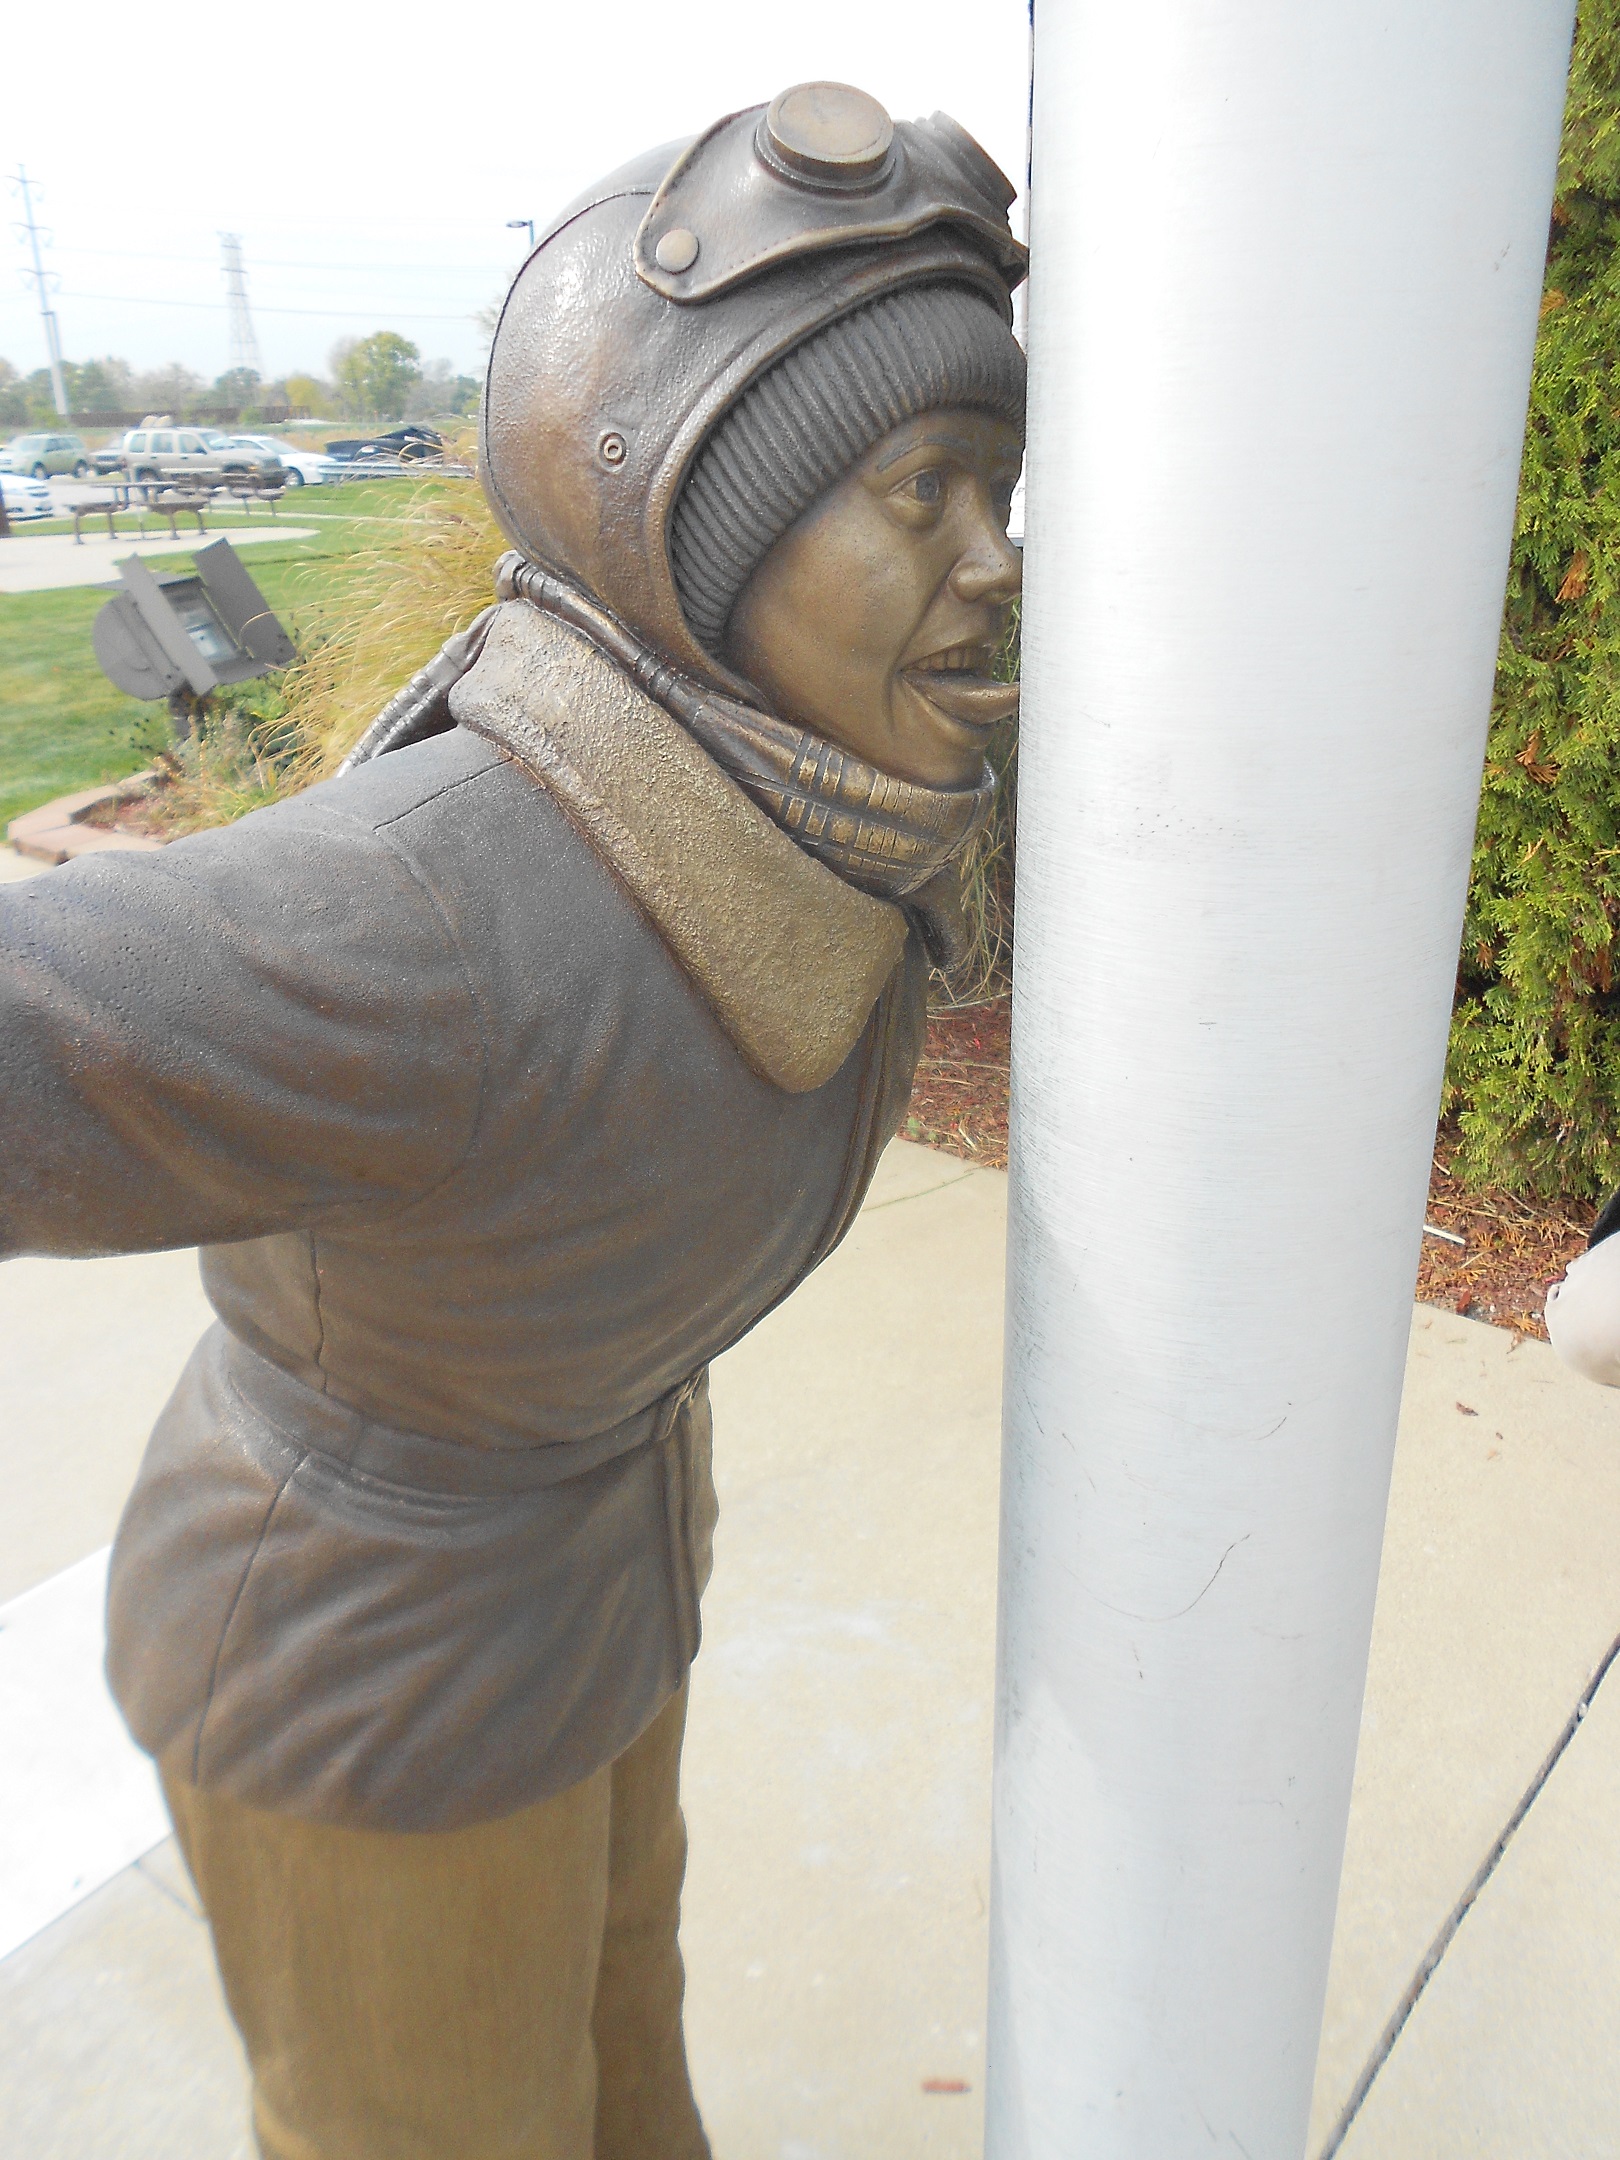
409	445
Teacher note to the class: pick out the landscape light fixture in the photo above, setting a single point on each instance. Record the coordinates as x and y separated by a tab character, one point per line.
182	638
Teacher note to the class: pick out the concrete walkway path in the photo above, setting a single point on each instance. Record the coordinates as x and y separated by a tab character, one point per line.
50	562
838	1765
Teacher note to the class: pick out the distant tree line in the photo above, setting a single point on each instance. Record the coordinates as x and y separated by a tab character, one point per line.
381	377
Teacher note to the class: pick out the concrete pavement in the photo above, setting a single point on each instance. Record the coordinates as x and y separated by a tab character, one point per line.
837	1769
50	562
1498	1600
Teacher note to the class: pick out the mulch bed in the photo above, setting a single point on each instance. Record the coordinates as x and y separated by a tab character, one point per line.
959	1097
136	815
1511	1248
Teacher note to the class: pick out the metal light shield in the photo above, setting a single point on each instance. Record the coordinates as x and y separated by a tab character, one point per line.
191	634
608	370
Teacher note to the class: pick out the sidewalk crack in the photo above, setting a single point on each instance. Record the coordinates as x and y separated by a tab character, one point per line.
876	1207
1430	1961
157	1883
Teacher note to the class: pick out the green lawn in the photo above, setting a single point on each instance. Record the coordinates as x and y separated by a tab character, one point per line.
63	725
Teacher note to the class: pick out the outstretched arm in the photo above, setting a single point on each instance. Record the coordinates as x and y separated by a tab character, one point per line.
258	1029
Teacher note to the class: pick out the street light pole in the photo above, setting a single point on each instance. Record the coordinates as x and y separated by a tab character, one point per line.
1287	268
522	224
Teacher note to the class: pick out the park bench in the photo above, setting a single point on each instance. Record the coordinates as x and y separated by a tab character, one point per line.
249	488
111	501
172	503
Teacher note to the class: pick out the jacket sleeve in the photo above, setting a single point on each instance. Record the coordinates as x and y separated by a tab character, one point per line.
256	1030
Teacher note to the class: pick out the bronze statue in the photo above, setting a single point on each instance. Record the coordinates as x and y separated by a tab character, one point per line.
508	1078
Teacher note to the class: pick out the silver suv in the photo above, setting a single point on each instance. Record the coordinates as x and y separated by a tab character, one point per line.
158	450
42	455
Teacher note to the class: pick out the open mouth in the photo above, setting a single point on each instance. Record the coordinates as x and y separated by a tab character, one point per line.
959	683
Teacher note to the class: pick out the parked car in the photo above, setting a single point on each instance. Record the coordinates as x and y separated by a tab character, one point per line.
167	452
109	458
25	496
409	445
305	468
45	454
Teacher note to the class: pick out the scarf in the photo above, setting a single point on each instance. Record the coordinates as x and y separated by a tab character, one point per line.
885	836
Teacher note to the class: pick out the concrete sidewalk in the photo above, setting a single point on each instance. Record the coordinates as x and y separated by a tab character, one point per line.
51	562
838	1765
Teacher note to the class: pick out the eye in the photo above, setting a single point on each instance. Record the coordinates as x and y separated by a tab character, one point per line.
917	499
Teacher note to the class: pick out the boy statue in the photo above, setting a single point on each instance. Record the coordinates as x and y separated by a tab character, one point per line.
504	1081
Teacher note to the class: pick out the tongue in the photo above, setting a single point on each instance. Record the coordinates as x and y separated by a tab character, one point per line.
976	698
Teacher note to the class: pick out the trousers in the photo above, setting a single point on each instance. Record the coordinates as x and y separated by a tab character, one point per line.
510	1991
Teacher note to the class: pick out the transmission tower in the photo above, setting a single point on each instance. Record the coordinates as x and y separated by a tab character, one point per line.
42	285
244	346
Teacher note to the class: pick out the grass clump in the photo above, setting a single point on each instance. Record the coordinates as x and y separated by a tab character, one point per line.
399	598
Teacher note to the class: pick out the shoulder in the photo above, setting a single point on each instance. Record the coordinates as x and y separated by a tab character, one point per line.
447	817
542	925
340	885
417	787
492	844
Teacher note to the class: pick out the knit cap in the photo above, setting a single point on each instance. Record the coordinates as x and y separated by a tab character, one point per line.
816	413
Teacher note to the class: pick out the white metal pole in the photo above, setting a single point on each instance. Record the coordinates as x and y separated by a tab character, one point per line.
1287	266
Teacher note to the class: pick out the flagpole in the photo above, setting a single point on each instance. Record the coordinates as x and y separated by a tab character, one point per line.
1287	269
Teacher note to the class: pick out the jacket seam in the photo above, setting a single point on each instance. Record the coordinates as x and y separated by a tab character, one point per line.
836	1224
379	826
486	1034
230	1617
320	1312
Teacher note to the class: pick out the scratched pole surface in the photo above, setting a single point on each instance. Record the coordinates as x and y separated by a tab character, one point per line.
1287	269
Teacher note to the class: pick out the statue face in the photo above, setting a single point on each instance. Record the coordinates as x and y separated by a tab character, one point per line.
876	618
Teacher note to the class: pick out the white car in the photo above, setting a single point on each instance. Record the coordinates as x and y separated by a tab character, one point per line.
305	468
26	497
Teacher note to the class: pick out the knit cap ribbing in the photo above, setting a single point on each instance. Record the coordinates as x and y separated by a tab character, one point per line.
816	413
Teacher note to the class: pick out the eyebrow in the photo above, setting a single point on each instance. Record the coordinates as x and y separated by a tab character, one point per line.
958	443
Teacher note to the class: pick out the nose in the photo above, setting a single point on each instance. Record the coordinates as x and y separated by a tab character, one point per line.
989	566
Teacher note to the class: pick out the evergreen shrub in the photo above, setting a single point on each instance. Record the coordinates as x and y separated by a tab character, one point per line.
1533	1079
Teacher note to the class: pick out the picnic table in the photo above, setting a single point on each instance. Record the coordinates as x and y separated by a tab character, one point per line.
174	499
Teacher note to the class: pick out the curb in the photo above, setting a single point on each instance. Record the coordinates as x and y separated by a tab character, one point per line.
53	833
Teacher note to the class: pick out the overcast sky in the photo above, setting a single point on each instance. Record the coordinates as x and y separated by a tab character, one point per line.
370	160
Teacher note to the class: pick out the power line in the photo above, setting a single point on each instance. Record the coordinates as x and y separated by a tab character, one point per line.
266	262
368	307
244	346
53	341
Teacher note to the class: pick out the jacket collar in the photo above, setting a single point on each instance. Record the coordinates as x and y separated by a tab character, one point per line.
788	957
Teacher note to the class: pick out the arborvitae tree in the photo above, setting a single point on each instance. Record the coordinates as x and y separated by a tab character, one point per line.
1534	1075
